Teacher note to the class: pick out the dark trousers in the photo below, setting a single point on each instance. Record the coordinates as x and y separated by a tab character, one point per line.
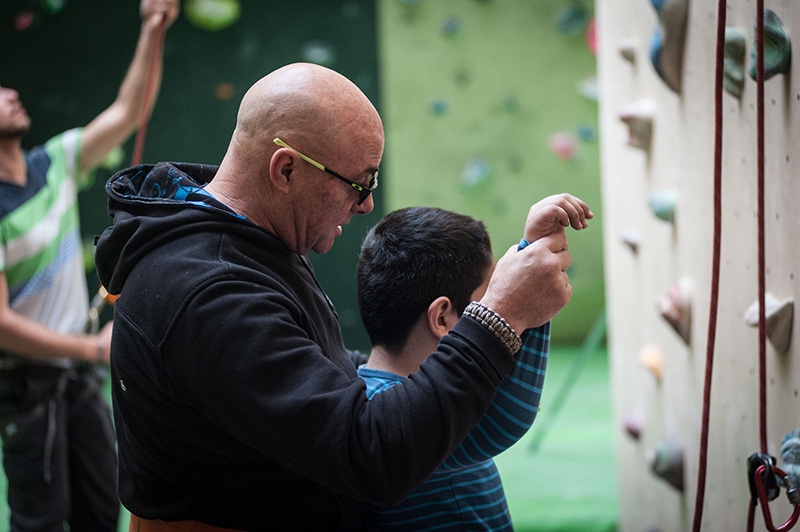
59	449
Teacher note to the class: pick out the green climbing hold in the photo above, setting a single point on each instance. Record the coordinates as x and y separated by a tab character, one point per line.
212	15
777	48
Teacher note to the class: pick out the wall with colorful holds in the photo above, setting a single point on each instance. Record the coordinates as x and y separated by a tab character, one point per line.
489	106
657	130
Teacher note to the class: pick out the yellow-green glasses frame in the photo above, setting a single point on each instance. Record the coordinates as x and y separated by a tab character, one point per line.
363	192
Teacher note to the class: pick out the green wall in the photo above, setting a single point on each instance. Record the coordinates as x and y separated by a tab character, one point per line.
472	91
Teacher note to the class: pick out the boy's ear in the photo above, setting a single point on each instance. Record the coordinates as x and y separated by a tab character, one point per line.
441	316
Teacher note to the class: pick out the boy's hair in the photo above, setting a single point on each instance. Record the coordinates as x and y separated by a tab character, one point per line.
411	257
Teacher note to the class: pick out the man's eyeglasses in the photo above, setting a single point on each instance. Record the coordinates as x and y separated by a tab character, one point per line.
363	192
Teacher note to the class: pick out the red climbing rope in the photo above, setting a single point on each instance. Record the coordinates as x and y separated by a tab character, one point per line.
762	320
712	314
144	115
759	492
102	297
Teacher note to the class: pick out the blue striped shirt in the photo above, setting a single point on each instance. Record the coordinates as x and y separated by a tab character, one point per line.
465	492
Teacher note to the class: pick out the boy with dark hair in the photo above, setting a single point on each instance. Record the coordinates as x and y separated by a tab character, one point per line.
419	269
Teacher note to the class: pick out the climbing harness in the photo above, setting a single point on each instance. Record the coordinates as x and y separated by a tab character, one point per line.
99	302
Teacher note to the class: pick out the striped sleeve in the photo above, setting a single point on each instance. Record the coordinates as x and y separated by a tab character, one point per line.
512	412
515	406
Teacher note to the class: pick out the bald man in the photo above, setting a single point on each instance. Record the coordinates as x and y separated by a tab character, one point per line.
236	404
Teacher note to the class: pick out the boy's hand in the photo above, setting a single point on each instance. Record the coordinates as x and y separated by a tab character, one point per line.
554	213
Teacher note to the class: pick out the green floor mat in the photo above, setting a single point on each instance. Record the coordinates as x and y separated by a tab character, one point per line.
562	475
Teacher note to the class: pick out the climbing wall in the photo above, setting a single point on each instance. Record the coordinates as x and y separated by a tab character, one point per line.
490	106
658	237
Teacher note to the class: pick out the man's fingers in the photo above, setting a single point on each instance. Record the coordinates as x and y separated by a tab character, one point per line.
565	260
555	242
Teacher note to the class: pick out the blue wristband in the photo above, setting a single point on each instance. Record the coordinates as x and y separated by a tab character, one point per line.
523	244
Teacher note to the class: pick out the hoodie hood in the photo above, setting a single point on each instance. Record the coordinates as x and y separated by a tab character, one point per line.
152	205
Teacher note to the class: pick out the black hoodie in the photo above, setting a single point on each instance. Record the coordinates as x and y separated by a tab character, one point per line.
235	401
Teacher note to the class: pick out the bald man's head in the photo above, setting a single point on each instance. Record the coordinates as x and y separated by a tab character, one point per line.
322	115
308	103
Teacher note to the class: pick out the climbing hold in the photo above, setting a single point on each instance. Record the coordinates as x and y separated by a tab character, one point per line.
591	36
572	20
631	238
651	358
319	52
586	132
212	15
733	71
224	91
588	88
666	461
410	10
662	203
638	116
461	77
53	6
451	27
777	48
633	423
562	145
790	456
779	314
666	45
23	20
627	49
475	172
510	104
438	106
676	308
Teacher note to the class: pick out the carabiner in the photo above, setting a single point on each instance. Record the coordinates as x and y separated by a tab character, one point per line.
763	471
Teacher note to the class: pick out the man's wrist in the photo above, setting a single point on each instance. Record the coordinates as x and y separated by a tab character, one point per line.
496	324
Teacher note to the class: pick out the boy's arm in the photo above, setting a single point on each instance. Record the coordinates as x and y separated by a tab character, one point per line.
514	408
